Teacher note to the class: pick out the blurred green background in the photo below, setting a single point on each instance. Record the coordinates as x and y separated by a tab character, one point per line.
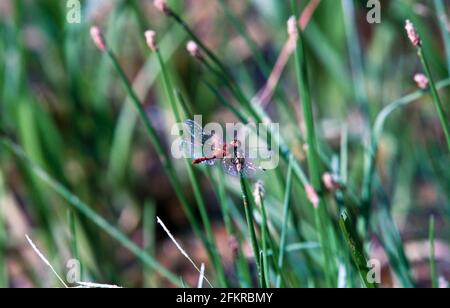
62	102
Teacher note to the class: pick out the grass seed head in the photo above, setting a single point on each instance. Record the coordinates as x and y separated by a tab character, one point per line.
259	192
330	182
162	6
150	37
312	195
98	38
413	35
421	81
193	49
292	27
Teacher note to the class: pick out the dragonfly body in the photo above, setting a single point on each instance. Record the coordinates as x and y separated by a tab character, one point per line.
229	155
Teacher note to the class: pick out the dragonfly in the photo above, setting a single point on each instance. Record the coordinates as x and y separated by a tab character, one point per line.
230	156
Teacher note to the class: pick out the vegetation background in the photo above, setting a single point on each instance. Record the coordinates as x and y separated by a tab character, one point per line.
80	175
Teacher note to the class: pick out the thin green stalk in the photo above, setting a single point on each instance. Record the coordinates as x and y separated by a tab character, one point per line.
343	166
356	249
356	60
71	217
198	195
437	101
445	32
85	210
389	235
221	194
433	272
344	155
312	157
248	207
284	227
264	240
242	264
168	87
149	239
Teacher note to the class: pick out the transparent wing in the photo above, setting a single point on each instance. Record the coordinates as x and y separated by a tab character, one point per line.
210	162
194	140
229	167
196	131
249	167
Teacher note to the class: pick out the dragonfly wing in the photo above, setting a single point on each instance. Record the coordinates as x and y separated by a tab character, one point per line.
229	167
209	162
192	143
249	168
195	140
193	128
196	132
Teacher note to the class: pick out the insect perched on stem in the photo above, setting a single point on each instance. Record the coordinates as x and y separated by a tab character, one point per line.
210	150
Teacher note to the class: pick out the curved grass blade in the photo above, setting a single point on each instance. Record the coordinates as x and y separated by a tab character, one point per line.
356	249
287	198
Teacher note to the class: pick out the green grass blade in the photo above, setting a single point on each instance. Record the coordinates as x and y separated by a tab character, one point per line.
356	249
248	207
74	243
443	118
265	240
312	156
356	59
283	240
433	271
149	239
445	31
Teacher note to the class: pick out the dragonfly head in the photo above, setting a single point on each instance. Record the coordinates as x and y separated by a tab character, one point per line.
239	163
